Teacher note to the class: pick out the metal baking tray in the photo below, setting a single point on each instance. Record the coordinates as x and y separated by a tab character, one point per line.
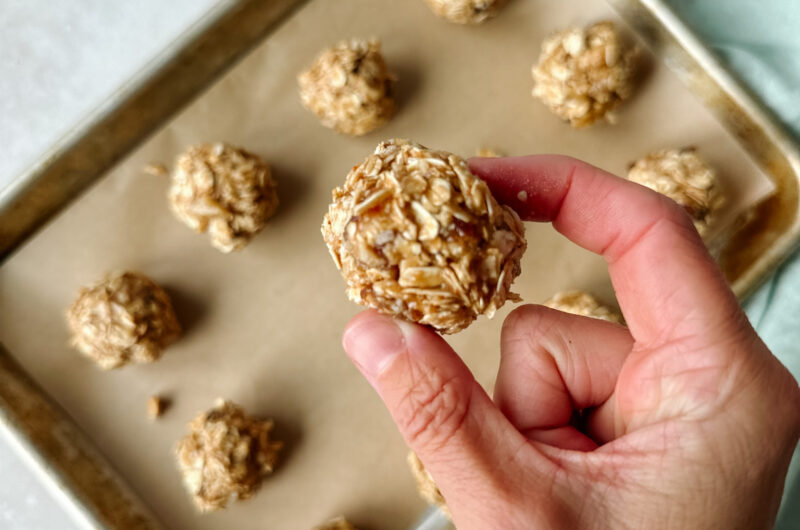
65	457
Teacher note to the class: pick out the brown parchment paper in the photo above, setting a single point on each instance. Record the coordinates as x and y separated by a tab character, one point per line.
263	326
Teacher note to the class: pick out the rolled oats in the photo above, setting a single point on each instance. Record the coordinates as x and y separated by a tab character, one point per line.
225	191
584	74
126	318
416	235
349	87
466	11
584	304
425	485
225	456
339	523
684	177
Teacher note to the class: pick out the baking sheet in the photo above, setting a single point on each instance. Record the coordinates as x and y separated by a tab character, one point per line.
263	326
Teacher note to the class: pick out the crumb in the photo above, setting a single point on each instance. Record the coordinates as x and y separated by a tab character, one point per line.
584	304
466	11
522	196
125	318
155	169
416	235
684	177
155	407
349	87
225	456
486	152
584	74
225	191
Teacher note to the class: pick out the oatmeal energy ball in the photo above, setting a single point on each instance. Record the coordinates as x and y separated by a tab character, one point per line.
225	191
425	485
584	74
416	235
584	304
466	11
684	177
349	87
225	456
126	318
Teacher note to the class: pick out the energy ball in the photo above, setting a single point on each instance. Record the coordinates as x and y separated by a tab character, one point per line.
425	485
466	11
417	236
684	177
124	319
584	304
349	87
584	74
339	523
225	456
225	191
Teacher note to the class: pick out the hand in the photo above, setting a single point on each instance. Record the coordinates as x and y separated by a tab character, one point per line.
686	418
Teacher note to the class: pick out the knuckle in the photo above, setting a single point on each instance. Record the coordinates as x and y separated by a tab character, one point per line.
678	217
434	409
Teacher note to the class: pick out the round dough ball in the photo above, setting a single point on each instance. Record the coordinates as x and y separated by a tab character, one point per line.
126	318
466	11
684	177
225	456
582	303
584	74
425	485
225	191
349	87
416	235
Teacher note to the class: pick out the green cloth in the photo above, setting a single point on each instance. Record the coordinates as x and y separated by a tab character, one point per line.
774	311
759	40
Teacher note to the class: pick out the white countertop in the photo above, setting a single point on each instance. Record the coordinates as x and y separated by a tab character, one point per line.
58	61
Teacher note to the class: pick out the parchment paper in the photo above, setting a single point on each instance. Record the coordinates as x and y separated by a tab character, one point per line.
263	326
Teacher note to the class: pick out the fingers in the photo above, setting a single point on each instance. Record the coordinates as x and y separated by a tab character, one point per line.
552	364
667	284
567	437
441	411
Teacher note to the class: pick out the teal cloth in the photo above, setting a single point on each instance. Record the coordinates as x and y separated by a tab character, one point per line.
759	40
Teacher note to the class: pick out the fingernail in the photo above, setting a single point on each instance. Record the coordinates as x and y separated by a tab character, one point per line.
373	343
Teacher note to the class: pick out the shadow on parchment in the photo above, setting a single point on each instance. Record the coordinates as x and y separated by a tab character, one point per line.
189	309
292	190
407	84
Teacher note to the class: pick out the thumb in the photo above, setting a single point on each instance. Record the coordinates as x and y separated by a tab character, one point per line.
445	416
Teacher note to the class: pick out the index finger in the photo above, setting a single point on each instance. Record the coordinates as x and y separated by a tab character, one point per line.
667	284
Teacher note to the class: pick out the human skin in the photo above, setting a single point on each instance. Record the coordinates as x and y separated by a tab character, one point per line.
686	419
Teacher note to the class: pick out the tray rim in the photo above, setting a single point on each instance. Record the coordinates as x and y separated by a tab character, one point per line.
673	41
755	127
76	474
